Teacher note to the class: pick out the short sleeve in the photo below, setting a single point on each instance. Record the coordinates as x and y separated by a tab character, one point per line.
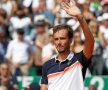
83	60
9	51
44	79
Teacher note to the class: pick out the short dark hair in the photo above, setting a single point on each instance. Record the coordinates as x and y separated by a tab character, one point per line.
20	31
64	26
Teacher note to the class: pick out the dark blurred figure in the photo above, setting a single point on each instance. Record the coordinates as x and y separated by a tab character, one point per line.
99	45
6	79
3	44
33	86
103	29
92	87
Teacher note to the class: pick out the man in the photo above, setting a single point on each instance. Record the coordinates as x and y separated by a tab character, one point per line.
19	54
6	79
41	39
103	31
67	70
49	49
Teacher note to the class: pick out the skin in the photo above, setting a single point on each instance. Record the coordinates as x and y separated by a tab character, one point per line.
4	70
77	46
5	74
20	37
62	42
92	87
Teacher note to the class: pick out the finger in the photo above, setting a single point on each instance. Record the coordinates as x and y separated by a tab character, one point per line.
68	4
72	2
64	8
65	5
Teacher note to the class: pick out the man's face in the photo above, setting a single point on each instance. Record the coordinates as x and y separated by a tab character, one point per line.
40	29
20	36
4	70
61	40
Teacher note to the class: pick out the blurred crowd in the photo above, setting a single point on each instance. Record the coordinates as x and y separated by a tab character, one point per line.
26	36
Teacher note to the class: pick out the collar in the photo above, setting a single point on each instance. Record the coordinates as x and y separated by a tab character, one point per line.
69	57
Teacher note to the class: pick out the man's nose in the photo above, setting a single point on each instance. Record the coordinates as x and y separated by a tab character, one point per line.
59	41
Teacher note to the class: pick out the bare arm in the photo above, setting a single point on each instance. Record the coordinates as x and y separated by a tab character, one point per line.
73	10
89	40
43	87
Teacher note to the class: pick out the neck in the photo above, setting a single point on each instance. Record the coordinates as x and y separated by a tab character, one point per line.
77	44
20	40
63	55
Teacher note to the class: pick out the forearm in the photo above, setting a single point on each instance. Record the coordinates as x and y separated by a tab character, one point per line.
89	39
88	35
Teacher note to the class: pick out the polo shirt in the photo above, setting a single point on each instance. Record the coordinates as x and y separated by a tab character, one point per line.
66	75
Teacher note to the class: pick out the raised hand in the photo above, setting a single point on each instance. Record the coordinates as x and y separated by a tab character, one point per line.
71	8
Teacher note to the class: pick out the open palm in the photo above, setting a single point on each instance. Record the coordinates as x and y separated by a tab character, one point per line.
71	8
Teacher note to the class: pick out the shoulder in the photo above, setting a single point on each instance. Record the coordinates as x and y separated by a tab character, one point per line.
78	55
82	59
12	42
49	63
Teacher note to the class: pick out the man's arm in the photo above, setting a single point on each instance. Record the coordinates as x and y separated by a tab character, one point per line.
73	10
43	87
89	40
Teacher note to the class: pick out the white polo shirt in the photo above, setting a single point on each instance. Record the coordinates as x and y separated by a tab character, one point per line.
19	52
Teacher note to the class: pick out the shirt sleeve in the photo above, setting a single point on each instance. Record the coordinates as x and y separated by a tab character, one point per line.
83	60
9	51
44	79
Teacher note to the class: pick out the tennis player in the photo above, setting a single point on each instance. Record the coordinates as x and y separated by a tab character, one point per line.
66	71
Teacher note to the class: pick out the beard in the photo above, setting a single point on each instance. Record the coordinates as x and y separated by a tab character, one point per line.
62	49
